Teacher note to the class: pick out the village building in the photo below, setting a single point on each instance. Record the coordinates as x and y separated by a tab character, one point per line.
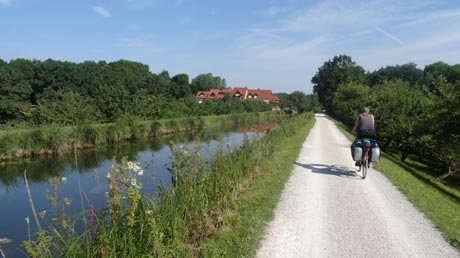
238	92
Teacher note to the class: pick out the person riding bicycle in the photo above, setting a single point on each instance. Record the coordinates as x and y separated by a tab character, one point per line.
364	126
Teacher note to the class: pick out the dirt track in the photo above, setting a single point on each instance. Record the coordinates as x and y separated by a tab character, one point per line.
327	210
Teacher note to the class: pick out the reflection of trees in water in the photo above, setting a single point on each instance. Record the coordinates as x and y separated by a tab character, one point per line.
43	168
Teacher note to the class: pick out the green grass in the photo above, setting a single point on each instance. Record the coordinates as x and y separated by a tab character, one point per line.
439	202
245	224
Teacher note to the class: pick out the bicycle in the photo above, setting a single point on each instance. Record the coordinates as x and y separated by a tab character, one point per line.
363	153
365	163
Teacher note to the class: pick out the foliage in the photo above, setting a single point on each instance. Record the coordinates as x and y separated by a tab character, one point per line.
181	219
416	112
443	123
127	127
65	108
340	70
298	101
400	109
203	82
349	98
407	73
45	92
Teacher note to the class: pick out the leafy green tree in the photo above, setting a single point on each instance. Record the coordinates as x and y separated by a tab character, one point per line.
298	101
147	106
132	75
349	100
113	101
443	123
406	73
14	100
180	86
341	69
315	106
204	82
399	108
65	107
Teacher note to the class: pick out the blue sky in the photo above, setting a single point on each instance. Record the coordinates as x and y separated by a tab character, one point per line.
271	44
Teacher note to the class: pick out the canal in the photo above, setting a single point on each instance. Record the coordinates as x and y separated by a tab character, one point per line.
89	168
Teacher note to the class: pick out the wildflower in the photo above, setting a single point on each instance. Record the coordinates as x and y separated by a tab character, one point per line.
133	181
64	179
91	215
67	201
148	212
134	167
42	214
27	220
92	222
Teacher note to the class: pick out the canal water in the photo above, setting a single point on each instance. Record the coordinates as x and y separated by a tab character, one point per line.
153	156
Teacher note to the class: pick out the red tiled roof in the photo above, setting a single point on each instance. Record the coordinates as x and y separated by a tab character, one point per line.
212	94
240	92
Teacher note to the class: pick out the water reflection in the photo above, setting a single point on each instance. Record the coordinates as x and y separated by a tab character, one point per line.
153	156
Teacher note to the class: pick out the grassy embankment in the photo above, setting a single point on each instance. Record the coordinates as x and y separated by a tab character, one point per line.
53	139
437	200
216	209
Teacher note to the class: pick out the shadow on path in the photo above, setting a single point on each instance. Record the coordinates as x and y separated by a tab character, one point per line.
333	170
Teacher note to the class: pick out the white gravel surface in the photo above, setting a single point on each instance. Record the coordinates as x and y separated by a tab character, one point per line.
327	210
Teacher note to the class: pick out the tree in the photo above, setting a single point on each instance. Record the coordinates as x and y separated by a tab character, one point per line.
443	123
406	73
65	107
298	101
180	87
113	101
204	82
349	100
147	106
341	69
399	108
132	75
14	100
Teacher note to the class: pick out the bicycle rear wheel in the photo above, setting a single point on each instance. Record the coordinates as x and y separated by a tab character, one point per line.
364	166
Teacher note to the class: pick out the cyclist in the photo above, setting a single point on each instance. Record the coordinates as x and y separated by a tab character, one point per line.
364	127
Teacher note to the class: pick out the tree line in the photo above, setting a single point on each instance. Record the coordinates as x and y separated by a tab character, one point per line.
60	92
417	111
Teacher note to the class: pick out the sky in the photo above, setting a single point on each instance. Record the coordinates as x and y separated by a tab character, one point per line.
273	44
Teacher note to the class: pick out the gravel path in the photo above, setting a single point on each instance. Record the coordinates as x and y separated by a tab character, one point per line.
327	210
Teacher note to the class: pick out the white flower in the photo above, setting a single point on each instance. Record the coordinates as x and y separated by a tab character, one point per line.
64	179
148	212
134	167
133	181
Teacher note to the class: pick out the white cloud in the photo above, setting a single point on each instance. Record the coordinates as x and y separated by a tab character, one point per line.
139	4
437	16
6	2
101	11
275	10
390	36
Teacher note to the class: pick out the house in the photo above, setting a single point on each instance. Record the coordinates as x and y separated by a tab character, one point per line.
238	92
